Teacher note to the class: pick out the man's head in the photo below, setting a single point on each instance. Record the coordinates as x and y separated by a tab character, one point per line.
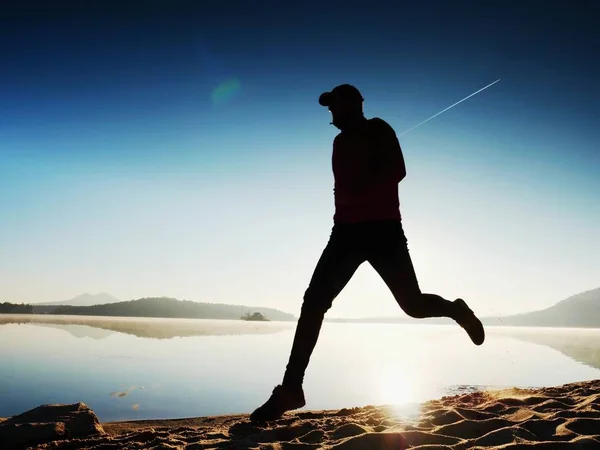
345	103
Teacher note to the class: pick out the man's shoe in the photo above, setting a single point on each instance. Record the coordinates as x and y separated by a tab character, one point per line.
467	319
282	399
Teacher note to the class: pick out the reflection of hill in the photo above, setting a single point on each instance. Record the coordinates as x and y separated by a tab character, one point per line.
146	327
580	345
78	331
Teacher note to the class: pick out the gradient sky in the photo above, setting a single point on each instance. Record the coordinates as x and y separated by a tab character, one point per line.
171	148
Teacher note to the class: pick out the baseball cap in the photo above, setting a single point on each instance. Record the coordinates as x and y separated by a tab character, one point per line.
345	92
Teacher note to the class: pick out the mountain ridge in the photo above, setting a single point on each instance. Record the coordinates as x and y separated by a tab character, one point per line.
580	310
164	307
83	300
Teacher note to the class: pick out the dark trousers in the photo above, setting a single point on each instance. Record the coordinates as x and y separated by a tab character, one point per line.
384	245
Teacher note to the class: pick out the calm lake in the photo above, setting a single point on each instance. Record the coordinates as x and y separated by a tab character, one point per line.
130	368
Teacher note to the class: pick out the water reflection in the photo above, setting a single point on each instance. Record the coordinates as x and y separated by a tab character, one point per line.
579	344
152	328
136	368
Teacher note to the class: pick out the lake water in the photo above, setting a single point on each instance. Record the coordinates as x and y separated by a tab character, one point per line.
130	368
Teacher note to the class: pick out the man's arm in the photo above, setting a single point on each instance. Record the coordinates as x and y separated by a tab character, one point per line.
385	159
388	160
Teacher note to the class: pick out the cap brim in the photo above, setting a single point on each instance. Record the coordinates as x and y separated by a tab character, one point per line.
325	99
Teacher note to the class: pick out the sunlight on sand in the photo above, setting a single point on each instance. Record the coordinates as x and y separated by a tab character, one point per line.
563	417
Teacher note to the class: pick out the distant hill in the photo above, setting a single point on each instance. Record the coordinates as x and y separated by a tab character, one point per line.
171	308
13	308
580	310
84	300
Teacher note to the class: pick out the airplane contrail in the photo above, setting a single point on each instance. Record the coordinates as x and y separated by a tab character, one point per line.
451	106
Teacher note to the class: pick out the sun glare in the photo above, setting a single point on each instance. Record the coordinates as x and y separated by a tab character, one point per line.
396	386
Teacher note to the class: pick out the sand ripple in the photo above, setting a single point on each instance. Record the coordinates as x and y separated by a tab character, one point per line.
562	417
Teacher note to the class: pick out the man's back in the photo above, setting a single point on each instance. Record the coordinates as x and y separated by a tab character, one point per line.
367	166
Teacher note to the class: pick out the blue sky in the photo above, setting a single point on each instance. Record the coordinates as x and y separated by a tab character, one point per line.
178	149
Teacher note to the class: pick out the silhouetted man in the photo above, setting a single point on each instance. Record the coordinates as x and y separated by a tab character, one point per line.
367	166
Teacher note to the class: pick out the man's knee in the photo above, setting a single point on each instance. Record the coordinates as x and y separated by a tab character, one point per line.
413	305
316	301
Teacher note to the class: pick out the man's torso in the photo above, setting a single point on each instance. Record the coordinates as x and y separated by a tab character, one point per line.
351	162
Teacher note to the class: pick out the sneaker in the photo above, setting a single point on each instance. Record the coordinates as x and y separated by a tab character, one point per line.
283	399
467	319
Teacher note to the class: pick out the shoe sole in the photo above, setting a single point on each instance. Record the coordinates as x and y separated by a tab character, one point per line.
276	417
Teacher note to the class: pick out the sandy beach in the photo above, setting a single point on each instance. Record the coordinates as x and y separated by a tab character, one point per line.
562	417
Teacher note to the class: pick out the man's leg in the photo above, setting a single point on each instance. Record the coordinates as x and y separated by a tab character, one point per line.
336	266
389	256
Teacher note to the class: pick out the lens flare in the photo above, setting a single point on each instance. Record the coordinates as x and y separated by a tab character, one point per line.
225	91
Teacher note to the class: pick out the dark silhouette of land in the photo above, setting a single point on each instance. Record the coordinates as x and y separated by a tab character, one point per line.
163	307
579	311
14	308
256	317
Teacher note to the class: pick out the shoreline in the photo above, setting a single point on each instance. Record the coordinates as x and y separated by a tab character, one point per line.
489	322
561	417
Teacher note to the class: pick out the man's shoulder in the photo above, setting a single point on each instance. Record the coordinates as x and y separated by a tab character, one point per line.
378	124
377	121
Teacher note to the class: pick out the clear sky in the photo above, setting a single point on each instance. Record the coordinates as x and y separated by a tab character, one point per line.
173	148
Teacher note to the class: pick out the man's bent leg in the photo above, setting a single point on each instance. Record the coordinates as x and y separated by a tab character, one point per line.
390	257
